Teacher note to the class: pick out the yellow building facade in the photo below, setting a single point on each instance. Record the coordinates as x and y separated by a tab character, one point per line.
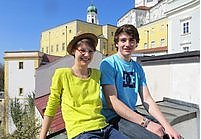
54	41
153	37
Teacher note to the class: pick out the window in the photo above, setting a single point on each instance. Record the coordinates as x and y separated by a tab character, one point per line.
20	91
112	33
112	47
69	31
186	49
20	65
51	48
152	44
152	31
63	46
42	50
145	45
185	27
162	42
57	48
104	45
46	49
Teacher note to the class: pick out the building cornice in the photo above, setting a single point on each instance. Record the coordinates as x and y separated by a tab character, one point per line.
185	5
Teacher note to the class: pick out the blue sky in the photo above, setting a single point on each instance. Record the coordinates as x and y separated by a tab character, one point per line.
22	21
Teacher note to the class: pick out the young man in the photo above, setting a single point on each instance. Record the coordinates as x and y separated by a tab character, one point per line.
122	79
77	90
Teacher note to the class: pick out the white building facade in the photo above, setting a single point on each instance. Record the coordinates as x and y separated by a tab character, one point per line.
158	11
144	13
183	21
147	3
135	17
19	80
183	25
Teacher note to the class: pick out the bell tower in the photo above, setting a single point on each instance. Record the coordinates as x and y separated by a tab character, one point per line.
92	14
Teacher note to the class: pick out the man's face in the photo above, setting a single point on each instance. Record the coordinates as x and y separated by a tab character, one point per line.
126	44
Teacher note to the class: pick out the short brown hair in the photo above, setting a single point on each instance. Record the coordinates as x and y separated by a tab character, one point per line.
129	29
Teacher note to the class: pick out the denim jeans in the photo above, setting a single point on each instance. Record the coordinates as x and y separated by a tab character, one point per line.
132	130
108	132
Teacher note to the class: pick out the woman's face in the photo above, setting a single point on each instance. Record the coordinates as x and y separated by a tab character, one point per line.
83	54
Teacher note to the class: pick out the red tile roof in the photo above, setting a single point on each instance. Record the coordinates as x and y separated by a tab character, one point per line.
152	50
57	123
143	8
50	58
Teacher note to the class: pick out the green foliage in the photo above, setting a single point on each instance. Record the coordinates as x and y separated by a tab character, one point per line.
24	118
1	128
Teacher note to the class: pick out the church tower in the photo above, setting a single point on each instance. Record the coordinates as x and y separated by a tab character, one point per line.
92	14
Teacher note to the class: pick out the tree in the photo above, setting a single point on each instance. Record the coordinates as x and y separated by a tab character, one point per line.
24	119
1	126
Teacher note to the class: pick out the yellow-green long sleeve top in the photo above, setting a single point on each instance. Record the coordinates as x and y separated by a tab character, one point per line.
79	99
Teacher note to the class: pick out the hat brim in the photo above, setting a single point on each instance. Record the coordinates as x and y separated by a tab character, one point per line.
80	37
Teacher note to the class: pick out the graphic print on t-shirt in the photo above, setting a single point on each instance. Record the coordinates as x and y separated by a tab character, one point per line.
129	79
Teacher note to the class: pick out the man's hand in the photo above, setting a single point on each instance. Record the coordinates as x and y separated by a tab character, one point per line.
172	133
155	128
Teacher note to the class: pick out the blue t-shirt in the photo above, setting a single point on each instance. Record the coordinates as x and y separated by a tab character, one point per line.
127	77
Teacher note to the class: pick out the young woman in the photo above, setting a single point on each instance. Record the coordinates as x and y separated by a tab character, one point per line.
77	90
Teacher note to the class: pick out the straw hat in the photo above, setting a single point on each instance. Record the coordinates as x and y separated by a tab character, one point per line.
79	37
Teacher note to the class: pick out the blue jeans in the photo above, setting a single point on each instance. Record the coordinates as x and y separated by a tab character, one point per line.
109	132
132	130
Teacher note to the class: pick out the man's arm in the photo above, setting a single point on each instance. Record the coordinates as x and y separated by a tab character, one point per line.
125	112
154	110
118	106
45	126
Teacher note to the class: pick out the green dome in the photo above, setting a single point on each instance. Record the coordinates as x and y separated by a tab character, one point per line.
92	8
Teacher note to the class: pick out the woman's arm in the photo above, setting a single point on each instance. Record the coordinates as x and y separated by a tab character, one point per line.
45	126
